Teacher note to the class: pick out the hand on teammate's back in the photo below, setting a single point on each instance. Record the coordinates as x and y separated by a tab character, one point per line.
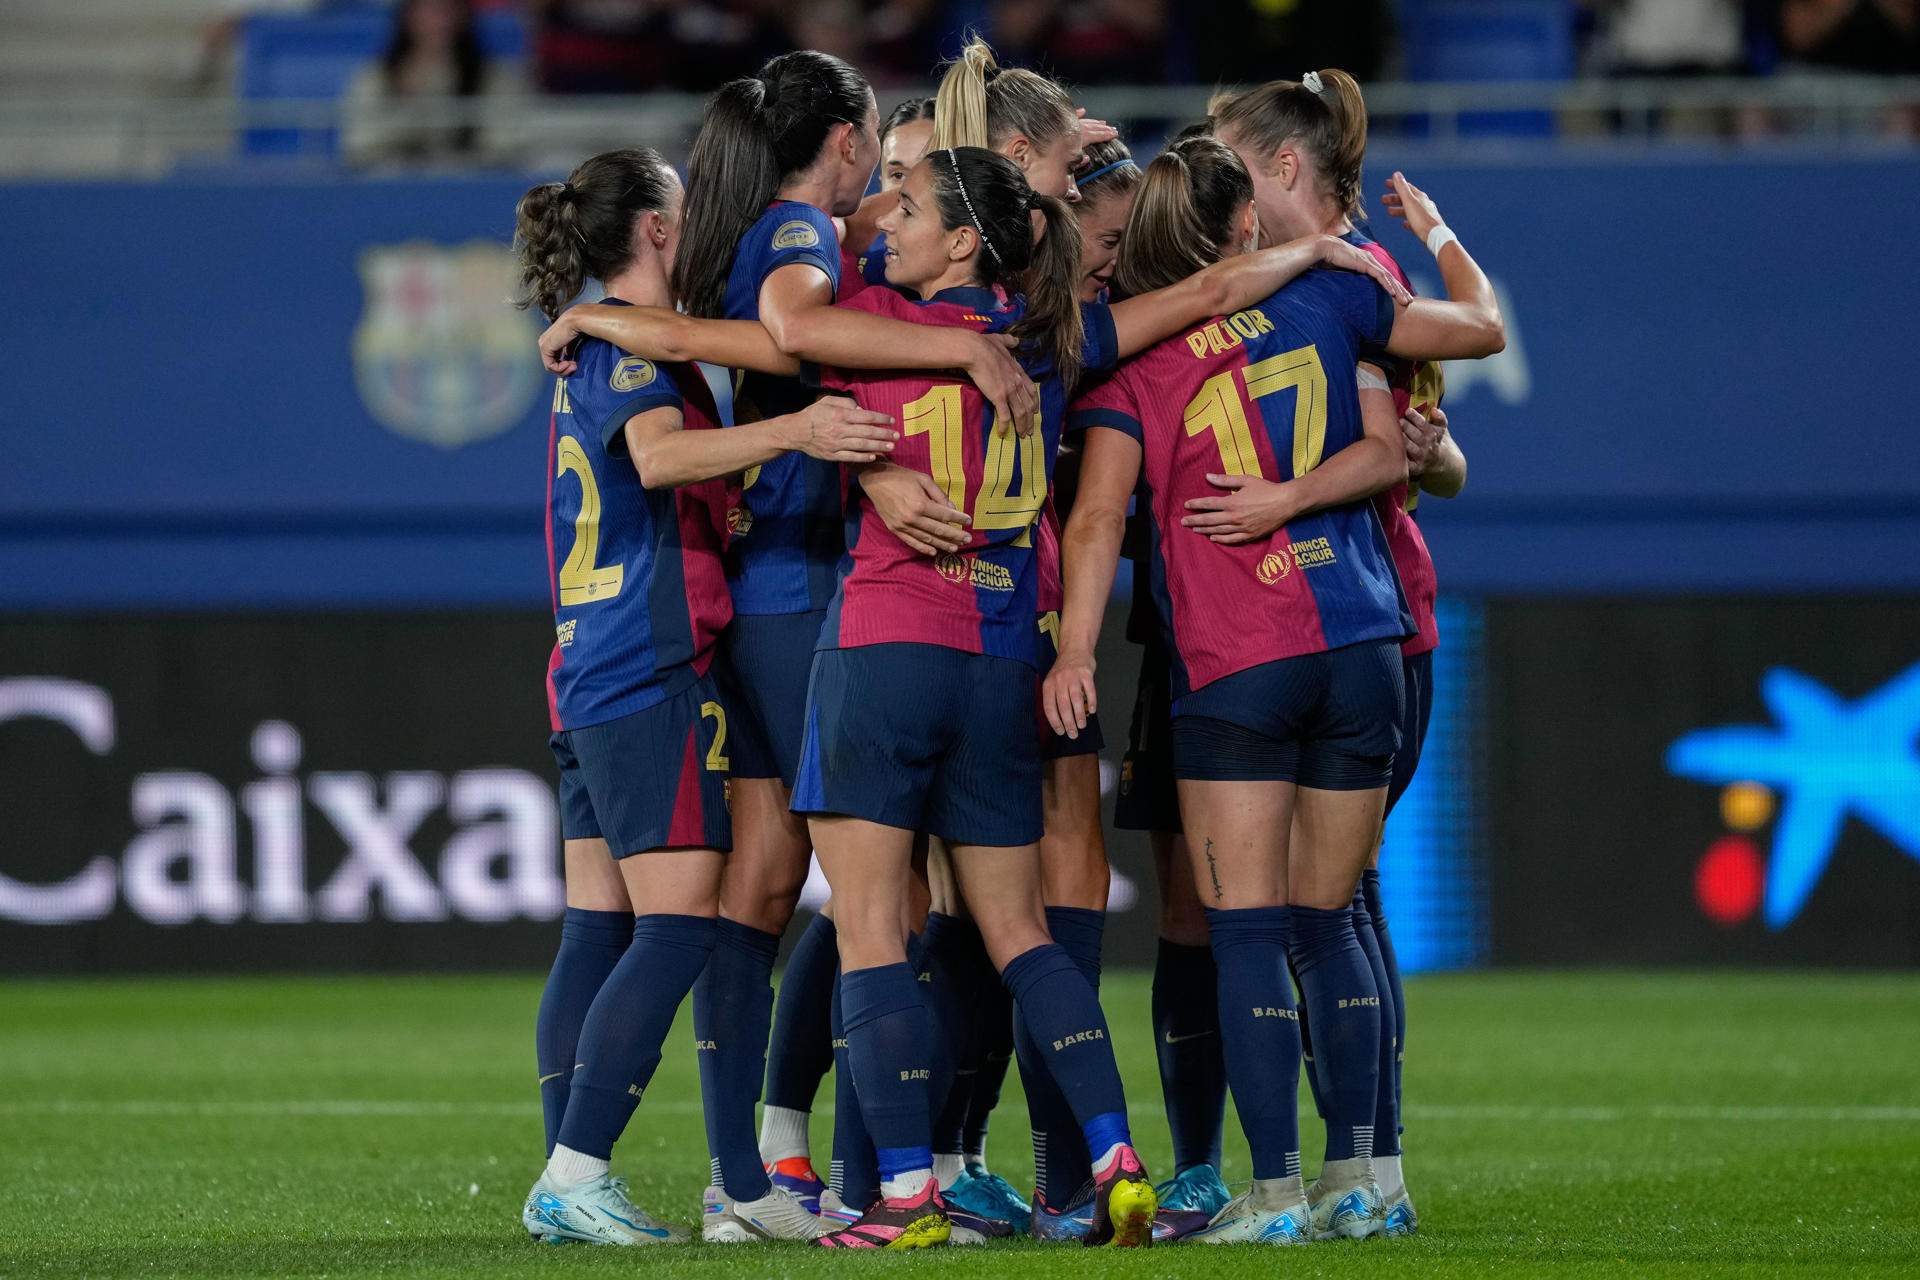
1004	382
1423	435
838	430
915	509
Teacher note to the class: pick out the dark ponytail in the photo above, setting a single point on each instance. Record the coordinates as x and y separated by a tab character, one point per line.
978	188
1184	217
1324	111
758	131
912	111
569	232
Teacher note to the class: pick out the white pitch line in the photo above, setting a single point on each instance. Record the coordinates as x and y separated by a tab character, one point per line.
362	1108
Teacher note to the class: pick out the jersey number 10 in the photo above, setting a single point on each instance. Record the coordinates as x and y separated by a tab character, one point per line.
1219	408
937	414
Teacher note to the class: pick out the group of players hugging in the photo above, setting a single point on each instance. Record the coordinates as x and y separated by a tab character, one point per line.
858	621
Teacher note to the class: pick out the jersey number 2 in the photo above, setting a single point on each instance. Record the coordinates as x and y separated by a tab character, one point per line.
937	415
1220	409
581	580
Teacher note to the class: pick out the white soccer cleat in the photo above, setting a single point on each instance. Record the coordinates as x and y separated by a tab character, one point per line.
778	1215
1350	1213
1401	1220
1244	1221
596	1212
836	1211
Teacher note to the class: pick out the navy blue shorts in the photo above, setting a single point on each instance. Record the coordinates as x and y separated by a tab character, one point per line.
1418	709
763	666
924	738
1147	799
1058	746
1325	720
656	779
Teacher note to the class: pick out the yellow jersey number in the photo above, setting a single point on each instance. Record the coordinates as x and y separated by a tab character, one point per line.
1220	407
717	761
998	506
581	580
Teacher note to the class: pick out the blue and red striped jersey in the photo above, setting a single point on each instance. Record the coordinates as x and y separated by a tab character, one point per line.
1269	391
789	539
981	599
639	591
1414	382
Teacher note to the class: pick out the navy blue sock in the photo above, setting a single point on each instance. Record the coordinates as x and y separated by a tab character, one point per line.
591	944
1186	1036
952	978
1386	1107
1061	1161
932	996
1259	1032
800	1049
1067	1034
993	1036
1370	891
1316	1084
626	1025
890	1045
1336	984
855	1172
732	1016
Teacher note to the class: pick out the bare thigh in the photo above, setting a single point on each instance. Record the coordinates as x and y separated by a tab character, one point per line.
1001	887
1334	834
675	882
594	882
870	868
1237	841
1073	850
1182	918
768	864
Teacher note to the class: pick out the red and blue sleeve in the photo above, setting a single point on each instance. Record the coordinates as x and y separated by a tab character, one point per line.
1110	404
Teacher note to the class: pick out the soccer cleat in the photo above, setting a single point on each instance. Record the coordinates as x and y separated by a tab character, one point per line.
1352	1213
1401	1220
836	1210
1072	1223
1123	1204
988	1195
914	1223
778	1215
596	1212
1244	1222
1188	1203
795	1176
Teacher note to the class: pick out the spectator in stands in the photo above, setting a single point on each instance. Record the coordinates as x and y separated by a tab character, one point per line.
1253	41
397	108
1669	37
1880	36
1089	42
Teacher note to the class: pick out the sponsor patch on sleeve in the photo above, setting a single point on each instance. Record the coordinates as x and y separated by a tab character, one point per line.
631	374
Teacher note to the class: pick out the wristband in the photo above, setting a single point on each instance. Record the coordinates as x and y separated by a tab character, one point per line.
1439	238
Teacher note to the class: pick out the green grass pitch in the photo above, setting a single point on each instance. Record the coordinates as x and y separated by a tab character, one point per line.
1562	1124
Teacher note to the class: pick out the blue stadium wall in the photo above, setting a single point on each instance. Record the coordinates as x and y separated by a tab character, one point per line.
272	575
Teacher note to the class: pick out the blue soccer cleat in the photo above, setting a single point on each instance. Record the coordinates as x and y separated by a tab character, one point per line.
1072	1224
1188	1203
989	1196
595	1212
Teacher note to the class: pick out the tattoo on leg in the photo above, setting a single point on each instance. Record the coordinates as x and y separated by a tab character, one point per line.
1213	869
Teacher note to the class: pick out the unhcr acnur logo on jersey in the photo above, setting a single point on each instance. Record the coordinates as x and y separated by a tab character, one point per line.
439	356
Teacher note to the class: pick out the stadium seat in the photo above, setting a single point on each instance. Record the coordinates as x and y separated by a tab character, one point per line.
1491	40
314	57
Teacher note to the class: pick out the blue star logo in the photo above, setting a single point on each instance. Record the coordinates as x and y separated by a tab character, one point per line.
1828	758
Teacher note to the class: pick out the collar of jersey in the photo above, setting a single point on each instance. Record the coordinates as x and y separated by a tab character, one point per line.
973	297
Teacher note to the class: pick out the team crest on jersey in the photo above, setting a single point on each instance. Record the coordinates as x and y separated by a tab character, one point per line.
1274	566
438	355
739	521
796	235
951	567
631	374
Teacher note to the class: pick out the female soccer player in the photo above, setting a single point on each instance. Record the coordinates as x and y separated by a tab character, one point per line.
640	730
778	157
1286	675
958	757
844	336
1303	142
